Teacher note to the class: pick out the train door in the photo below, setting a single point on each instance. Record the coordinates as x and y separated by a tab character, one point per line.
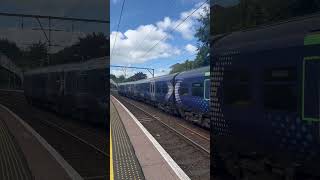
311	89
311	92
152	90
206	89
61	83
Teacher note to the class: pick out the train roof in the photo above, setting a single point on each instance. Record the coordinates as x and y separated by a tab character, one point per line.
276	35
97	63
112	82
205	69
196	72
164	77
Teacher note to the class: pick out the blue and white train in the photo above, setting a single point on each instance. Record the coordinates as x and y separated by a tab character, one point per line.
186	94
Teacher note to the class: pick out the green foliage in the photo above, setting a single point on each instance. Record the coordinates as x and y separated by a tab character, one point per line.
121	79
203	46
36	55
10	49
203	36
187	65
89	47
135	77
252	13
113	77
32	57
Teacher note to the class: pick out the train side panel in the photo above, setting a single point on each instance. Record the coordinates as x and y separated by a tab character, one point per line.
77	90
192	96
258	89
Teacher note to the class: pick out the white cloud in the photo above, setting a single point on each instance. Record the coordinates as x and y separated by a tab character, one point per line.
133	46
165	24
130	72
191	48
129	50
121	72
161	72
187	28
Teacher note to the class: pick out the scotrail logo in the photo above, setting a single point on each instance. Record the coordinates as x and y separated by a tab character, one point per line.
176	91
170	91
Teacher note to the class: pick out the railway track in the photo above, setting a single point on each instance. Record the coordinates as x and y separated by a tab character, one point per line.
83	146
194	132
189	148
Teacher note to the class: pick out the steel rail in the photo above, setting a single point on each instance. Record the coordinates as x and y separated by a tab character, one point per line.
195	144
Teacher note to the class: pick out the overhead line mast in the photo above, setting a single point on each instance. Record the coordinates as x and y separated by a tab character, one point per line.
151	70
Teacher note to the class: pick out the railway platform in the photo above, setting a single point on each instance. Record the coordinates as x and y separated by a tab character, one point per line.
134	152
25	155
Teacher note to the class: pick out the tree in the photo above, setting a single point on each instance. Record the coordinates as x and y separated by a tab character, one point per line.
252	13
93	46
36	54
116	79
113	77
203	45
187	65
88	47
10	49
121	79
137	76
203	36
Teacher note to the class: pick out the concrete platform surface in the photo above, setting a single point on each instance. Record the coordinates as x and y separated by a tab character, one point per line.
37	156
155	162
124	161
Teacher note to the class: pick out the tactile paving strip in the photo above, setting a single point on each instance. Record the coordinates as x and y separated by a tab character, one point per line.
125	163
12	162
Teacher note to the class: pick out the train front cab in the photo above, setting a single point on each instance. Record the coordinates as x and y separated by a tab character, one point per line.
192	95
266	111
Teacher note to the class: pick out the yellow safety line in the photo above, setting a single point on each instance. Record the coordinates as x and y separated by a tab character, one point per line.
111	157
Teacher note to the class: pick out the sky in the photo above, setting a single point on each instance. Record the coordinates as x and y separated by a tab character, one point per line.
10	27
144	23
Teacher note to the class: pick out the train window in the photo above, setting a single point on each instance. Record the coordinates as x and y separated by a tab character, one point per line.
239	75
152	88
183	91
165	88
158	89
197	89
83	83
236	89
280	97
237	94
147	87
280	74
207	89
280	91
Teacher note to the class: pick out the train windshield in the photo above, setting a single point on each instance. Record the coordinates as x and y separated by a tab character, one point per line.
244	14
